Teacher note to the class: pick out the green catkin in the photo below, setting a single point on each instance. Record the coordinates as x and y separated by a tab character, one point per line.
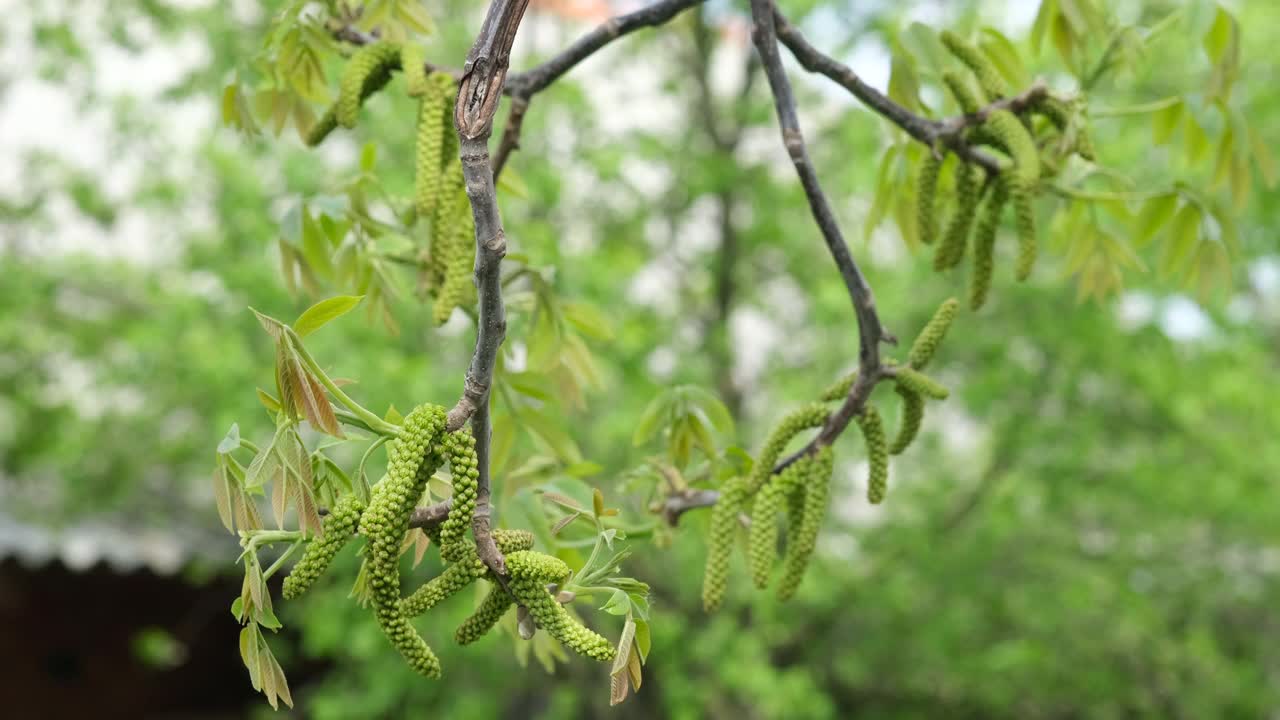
814	481
1010	135
926	196
724	529
966	97
1018	143
984	243
339	526
840	388
460	448
427	148
1084	143
432	147
912	418
451	210
413	64
794	492
448	583
411	460
763	536
993	84
509	541
877	455
738	492
1025	221
934	332
1065	118
467	566
530	574
457	286
919	383
492	608
951	250
808	416
1057	111
327	123
368	70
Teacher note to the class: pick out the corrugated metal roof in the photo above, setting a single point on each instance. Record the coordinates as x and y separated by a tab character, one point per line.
82	545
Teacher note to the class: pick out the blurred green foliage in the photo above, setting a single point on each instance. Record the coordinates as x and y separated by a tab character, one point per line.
1085	529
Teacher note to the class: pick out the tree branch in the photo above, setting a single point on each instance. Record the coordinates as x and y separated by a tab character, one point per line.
770	28
523	86
871	331
535	80
430	515
483	75
422	517
948	132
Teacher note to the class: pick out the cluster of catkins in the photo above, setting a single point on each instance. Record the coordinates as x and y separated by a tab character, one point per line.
439	193
798	492
413	457
983	199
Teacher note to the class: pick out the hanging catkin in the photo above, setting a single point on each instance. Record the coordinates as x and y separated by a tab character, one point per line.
984	241
912	417
951	250
413	63
723	531
877	455
368	70
814	478
460	448
926	196
338	529
930	338
989	78
412	459
530	574
432	149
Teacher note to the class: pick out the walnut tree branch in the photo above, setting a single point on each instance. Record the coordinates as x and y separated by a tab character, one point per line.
770	28
523	86
871	331
934	133
479	90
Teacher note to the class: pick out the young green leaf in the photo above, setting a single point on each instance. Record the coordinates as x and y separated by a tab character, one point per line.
619	603
655	414
222	490
323	312
624	647
231	442
1156	212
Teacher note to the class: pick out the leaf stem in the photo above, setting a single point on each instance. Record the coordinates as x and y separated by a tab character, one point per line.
1139	109
372	421
266	575
1104	196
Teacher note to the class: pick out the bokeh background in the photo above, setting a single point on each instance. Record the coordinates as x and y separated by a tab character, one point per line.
1089	527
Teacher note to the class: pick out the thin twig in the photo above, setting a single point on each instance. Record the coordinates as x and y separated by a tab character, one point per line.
523	86
535	80
947	132
510	133
430	515
871	331
423	517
